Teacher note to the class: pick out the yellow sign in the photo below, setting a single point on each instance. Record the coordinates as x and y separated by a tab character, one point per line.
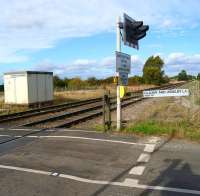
115	80
122	91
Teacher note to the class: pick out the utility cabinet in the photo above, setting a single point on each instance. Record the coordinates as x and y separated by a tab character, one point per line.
28	87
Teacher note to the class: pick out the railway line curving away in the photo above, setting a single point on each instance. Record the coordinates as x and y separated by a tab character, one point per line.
67	114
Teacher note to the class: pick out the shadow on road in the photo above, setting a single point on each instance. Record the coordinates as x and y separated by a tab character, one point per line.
178	174
103	188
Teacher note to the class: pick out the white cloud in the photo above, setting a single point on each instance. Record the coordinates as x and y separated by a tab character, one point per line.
167	23
37	24
181	58
87	68
10	57
175	62
105	67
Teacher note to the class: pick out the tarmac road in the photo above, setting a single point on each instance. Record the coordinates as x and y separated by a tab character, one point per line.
77	162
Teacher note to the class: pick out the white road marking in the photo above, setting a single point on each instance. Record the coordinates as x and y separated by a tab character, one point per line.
149	148
81	138
76	130
153	140
132	183
5	135
55	174
137	170
90	181
143	158
25	169
22	129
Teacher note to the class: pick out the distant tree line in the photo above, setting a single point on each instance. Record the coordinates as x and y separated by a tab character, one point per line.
183	76
1	88
77	83
153	73
198	76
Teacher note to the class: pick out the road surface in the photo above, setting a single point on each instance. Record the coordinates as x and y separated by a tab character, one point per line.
77	162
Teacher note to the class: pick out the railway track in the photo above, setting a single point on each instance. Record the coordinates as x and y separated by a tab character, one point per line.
44	110
65	115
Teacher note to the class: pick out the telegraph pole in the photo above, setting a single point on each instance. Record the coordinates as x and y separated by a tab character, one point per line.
119	112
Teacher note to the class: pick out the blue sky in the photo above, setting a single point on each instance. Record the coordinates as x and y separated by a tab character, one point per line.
78	38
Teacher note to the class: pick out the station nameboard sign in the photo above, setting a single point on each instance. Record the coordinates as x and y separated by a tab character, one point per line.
167	93
123	62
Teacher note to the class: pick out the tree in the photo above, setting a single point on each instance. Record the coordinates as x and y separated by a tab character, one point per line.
152	71
75	83
58	82
182	76
166	79
108	80
66	82
135	80
92	81
198	76
1	88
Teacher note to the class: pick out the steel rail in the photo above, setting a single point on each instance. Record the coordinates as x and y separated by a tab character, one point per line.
48	108
61	107
100	112
82	111
69	114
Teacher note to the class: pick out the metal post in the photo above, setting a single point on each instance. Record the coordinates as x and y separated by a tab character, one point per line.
108	112
104	112
118	34
119	113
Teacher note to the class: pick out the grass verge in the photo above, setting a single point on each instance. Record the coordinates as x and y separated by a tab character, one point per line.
182	129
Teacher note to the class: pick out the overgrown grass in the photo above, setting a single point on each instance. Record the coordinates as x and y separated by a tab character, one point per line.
6	109
182	129
75	95
198	101
150	128
177	116
66	96
99	128
160	128
171	116
194	88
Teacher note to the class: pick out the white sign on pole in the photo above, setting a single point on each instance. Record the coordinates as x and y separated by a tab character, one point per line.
123	62
123	78
167	93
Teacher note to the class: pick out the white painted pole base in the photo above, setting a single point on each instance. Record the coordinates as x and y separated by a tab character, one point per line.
119	112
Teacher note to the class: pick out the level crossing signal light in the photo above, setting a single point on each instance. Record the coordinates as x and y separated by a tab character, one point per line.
133	31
